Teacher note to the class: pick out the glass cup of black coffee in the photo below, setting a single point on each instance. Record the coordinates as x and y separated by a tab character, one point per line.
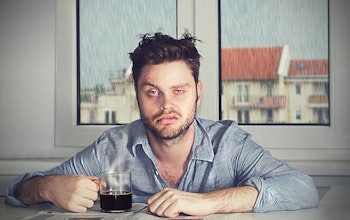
115	192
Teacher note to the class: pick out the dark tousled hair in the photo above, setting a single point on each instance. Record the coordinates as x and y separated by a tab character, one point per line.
160	48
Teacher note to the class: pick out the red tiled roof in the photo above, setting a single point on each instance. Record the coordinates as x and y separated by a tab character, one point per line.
308	67
250	63
273	102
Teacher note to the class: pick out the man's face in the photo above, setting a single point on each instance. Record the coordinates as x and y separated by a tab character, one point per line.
168	98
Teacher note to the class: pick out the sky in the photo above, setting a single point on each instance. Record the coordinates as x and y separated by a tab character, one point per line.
108	32
110	29
301	24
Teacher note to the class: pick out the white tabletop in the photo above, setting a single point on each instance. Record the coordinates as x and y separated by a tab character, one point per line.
335	205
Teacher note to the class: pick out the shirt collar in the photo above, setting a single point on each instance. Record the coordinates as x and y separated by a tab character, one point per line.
138	137
202	148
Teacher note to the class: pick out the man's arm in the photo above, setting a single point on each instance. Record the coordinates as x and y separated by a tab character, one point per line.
280	186
62	177
171	202
70	192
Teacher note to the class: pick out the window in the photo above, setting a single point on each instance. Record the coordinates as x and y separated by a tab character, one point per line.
321	88
107	31
297	89
243	116
94	96
269	89
322	115
298	114
287	142
279	44
269	115
242	93
110	116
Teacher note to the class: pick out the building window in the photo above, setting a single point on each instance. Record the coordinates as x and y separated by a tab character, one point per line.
242	93
110	116
269	116
279	49
269	89
322	115
297	89
298	114
243	116
321	88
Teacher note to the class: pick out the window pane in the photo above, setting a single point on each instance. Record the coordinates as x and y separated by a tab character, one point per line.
274	61
108	31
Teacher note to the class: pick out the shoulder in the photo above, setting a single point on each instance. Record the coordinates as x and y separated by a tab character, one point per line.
211	123
227	130
221	126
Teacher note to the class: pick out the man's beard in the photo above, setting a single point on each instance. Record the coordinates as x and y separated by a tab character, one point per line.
176	133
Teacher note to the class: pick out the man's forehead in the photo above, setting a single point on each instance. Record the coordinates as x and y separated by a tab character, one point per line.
172	74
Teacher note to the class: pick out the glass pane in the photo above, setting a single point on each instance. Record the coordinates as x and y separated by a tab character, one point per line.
274	61
108	31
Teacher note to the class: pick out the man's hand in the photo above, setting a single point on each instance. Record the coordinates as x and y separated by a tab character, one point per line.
74	193
171	202
70	192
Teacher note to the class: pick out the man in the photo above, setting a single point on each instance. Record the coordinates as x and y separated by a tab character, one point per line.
180	163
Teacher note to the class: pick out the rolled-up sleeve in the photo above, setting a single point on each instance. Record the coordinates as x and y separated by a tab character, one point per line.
83	163
280	186
286	192
10	193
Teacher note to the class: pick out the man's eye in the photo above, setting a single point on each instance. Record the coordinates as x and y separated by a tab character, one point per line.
179	91
153	93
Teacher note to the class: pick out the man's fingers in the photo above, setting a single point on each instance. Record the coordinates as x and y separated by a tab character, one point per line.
91	183
79	204
87	203
164	203
158	195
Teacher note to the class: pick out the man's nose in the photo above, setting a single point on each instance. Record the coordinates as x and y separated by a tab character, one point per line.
166	102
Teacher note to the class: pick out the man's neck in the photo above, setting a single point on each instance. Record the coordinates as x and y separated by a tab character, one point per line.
173	156
175	150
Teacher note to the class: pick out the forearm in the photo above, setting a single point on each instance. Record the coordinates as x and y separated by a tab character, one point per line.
237	199
33	191
170	202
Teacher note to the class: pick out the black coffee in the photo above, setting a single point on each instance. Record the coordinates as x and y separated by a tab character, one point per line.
115	201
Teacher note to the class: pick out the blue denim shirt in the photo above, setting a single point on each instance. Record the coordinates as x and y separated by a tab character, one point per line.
223	155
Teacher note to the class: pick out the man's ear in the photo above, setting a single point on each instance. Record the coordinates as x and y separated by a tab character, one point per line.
199	93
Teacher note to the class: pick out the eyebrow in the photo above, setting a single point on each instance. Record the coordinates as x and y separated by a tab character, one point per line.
149	84
181	85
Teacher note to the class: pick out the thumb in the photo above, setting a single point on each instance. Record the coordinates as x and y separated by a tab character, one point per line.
93	178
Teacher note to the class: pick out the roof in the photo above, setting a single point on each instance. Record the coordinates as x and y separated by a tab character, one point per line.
308	67
250	63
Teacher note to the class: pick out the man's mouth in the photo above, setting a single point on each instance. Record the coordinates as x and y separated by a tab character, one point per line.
167	119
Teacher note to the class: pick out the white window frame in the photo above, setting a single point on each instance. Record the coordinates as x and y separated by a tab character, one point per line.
67	132
200	17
